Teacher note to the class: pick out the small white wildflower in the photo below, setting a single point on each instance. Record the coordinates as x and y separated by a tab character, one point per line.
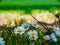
19	30
53	37
26	26
1	41
33	35
46	37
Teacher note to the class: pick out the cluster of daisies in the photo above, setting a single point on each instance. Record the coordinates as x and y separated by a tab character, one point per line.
30	28
23	28
32	32
54	36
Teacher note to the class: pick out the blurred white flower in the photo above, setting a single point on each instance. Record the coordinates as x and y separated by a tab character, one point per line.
33	35
1	41
19	30
35	24
53	37
46	37
26	26
57	32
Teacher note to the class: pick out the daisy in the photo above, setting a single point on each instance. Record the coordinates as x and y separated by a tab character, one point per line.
53	37
34	24
46	37
33	35
19	30
26	26
1	41
57	32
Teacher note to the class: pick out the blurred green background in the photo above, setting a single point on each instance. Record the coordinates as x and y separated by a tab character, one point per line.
30	4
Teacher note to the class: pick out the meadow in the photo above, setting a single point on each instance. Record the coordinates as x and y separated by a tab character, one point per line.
12	35
18	31
25	33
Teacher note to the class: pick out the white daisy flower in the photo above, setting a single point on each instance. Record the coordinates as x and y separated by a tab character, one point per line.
1	41
53	37
57	32
33	35
34	24
26	26
19	30
46	37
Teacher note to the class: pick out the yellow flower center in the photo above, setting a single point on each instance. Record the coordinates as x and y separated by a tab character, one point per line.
25	27
32	34
58	35
47	39
19	30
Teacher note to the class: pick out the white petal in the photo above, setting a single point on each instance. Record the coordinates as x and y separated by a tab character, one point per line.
53	37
